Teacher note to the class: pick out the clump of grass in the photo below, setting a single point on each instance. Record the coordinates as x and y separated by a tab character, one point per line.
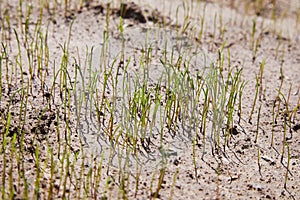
222	95
217	92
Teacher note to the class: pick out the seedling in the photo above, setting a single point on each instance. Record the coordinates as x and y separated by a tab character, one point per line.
258	161
254	100
201	31
257	124
253	34
160	182
173	183
261	72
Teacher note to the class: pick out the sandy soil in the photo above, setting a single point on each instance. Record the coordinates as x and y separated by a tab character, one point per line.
201	173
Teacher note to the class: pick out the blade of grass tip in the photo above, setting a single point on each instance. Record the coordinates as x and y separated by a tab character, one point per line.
1	58
218	180
253	34
285	117
126	176
88	177
23	114
254	100
19	157
286	178
38	178
121	29
297	107
254	51
98	176
177	22
261	71
203	123
222	28
21	15
64	170
137	175
241	89
26	27
152	181
288	112
258	161
25	182
229	59
12	156
287	167
79	180
173	183
212	41
257	125
194	159
283	141
273	123
157	104
5	56
278	95
19	57
52	168
108	182
279	44
202	26
160	181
